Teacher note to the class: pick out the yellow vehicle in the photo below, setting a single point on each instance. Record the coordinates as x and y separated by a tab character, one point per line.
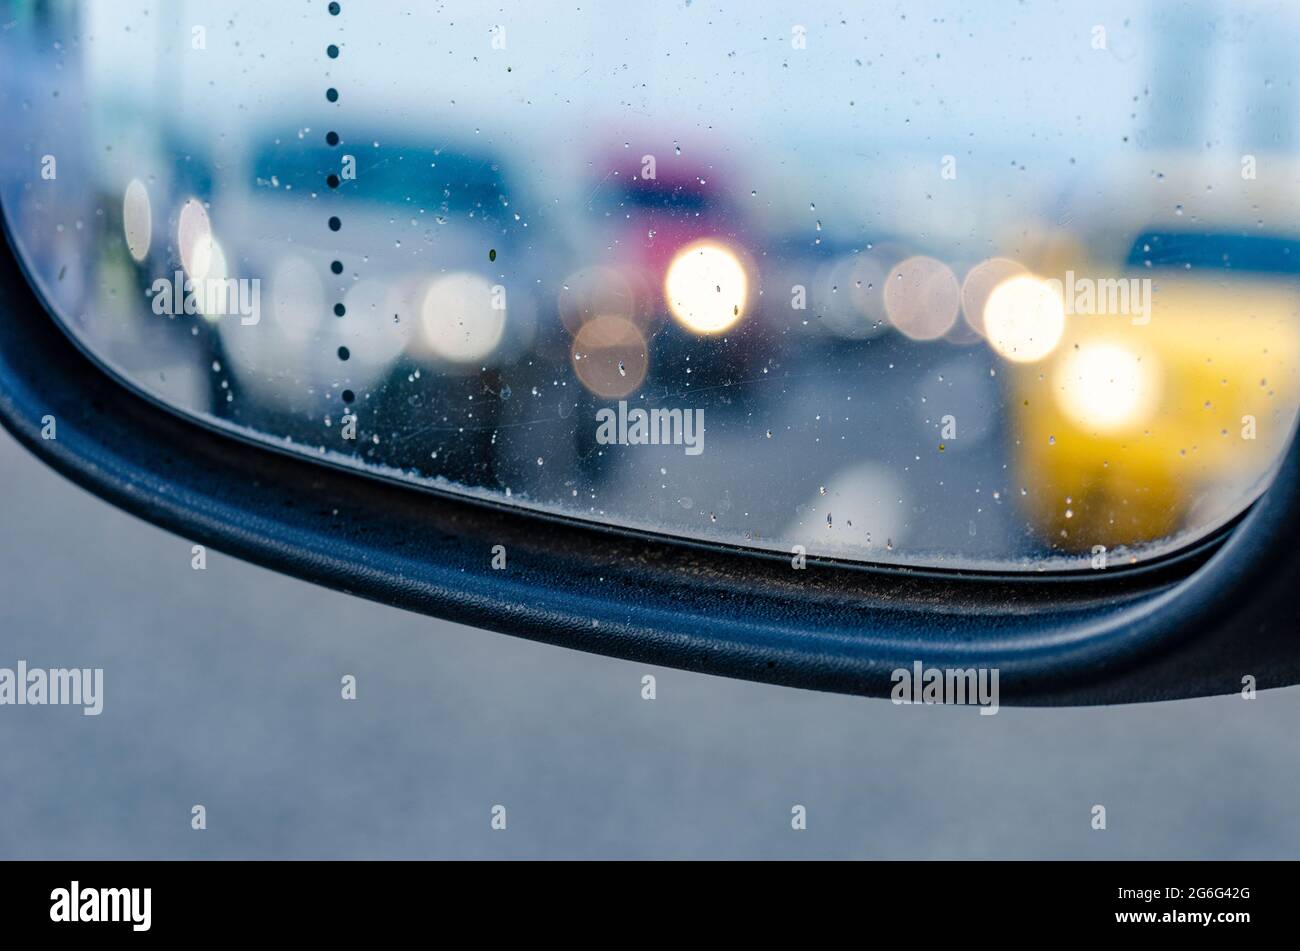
1171	388
1131	430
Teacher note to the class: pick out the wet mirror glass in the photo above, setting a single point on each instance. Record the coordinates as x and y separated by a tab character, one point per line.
1002	286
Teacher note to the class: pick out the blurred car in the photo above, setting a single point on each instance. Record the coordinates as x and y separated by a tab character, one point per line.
1174	381
452	286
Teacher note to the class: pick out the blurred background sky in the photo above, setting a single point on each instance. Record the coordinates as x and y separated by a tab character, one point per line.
222	688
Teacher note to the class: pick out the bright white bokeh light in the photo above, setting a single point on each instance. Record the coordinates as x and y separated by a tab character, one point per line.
706	287
210	288
1105	386
194	238
137	220
1024	319
463	317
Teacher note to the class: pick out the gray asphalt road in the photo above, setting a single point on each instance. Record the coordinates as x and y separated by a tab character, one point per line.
222	688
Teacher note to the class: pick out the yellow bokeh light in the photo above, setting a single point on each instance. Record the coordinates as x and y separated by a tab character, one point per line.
1024	319
706	287
1105	386
610	356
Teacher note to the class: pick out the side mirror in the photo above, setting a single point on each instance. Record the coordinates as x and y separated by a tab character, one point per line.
902	389
1195	624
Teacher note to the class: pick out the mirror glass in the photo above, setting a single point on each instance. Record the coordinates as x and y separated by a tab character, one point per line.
1007	286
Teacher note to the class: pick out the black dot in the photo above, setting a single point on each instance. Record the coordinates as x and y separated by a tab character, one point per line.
335	224
332	51
348	396
335	9
332	94
336	267
343	355
339	310
492	254
332	138
332	181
